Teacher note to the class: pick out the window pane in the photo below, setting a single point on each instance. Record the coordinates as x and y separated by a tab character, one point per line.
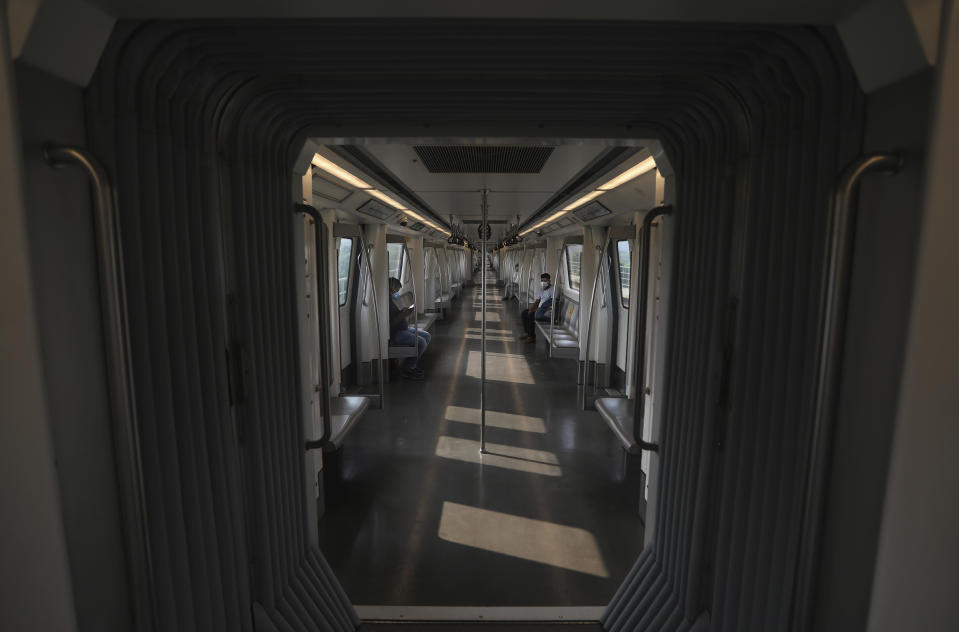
574	258
344	248
395	252
624	253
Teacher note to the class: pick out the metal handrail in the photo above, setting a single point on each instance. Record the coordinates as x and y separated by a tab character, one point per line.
836	275
125	425
322	323
376	313
640	390
589	318
529	275
553	311
409	265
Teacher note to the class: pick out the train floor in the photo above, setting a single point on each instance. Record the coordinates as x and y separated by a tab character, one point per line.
415	516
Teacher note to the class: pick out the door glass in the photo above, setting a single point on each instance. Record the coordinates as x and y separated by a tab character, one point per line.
395	252
344	249
624	253
574	256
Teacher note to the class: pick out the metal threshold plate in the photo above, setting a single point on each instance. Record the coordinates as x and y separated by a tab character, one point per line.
480	613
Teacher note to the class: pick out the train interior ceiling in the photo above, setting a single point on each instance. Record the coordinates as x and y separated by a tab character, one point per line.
269	356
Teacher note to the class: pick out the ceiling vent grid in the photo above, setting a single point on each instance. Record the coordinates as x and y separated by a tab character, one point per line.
482	158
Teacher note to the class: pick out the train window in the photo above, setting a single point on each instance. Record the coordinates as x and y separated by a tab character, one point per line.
574	258
624	254
395	252
344	259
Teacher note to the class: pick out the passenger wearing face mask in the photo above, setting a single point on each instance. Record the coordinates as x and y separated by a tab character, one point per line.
402	334
540	310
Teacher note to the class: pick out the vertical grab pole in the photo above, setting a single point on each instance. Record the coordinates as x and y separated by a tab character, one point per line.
835	299
123	413
552	312
589	318
483	227
416	326
376	315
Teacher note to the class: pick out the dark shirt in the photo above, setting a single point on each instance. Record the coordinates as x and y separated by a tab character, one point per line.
402	324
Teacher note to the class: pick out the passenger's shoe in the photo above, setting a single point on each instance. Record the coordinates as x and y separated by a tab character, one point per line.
524	337
530	339
413	374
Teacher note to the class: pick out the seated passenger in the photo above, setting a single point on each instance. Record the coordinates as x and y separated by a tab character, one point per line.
402	334
539	310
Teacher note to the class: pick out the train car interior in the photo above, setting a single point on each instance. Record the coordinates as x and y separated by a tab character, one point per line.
517	315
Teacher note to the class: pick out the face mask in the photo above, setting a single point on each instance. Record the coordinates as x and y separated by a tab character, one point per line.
544	284
396	294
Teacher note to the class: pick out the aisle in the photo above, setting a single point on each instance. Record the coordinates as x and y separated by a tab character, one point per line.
422	519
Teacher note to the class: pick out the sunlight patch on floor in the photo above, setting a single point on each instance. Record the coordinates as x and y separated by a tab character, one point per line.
499	455
534	540
501	367
496	419
491	317
489	338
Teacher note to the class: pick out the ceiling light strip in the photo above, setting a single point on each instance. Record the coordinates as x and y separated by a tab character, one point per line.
339	172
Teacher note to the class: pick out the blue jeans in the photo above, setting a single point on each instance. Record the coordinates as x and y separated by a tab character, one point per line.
405	337
529	327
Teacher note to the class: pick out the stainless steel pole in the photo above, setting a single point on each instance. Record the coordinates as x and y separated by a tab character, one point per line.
367	250
589	319
483	227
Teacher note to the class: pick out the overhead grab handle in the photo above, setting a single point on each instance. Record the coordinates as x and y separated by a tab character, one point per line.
639	384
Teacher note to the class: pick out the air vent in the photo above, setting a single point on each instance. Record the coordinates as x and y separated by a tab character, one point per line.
375	209
482	158
591	211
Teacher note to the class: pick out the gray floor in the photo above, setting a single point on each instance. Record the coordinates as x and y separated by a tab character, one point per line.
486	626
413	518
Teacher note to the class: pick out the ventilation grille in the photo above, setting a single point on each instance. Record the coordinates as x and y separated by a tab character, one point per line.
483	159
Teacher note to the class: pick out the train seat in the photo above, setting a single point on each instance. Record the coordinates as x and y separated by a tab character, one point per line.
565	338
426	321
618	412
402	351
441	304
347	410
